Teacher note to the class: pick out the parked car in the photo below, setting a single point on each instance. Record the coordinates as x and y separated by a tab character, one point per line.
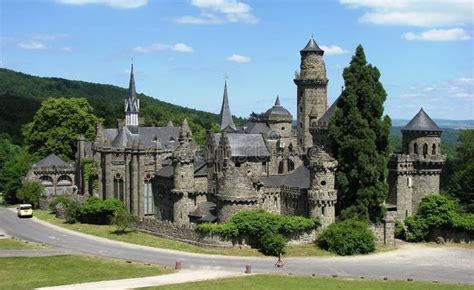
25	210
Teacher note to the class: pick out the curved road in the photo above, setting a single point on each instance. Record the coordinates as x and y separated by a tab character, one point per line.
417	262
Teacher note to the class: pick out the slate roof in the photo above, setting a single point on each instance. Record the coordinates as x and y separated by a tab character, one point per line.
168	136
299	178
312	46
326	117
200	170
256	128
245	145
278	110
131	103
204	210
421	122
50	161
225	117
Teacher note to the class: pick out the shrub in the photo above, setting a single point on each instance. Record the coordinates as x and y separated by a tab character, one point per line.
348	237
60	199
272	244
417	230
30	192
123	219
73	211
399	230
97	211
264	228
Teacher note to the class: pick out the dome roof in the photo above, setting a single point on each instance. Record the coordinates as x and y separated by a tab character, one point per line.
277	112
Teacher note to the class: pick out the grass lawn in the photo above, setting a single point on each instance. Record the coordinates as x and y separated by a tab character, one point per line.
14	244
306	282
33	272
141	238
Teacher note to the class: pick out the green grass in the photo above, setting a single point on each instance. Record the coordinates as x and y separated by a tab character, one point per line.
305	282
33	272
145	239
15	244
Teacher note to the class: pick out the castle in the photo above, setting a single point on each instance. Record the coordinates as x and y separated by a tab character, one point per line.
159	172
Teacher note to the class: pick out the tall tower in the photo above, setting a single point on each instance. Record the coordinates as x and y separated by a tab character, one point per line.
311	91
132	103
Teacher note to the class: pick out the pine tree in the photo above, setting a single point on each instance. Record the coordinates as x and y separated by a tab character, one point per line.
359	134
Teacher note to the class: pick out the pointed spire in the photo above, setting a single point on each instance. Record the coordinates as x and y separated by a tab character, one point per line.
225	117
185	134
312	46
277	101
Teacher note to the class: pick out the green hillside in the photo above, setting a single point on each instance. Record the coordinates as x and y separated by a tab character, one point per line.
22	94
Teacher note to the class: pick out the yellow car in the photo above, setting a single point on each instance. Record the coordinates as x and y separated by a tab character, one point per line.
25	210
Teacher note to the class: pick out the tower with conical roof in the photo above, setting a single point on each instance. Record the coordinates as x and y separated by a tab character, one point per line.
311	85
225	118
132	103
415	172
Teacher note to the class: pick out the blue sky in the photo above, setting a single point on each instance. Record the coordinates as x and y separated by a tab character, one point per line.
183	49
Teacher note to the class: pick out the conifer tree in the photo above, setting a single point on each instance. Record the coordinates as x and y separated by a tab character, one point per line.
359	134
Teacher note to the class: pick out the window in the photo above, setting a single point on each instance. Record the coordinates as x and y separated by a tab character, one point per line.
409	182
264	167
291	165
149	205
283	128
323	210
281	167
323	183
425	149
301	109
301	124
433	149
46	180
64	180
118	188
415	148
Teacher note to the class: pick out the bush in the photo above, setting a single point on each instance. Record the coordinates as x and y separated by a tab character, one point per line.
30	192
272	244
123	219
348	237
97	211
60	199
437	212
399	230
73	211
264	228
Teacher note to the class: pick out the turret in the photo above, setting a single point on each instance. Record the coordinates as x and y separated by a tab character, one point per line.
311	91
322	195
279	119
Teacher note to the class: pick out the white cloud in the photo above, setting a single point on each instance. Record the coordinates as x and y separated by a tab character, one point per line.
239	58
438	35
49	37
32	45
121	4
66	49
333	50
218	12
160	47
423	13
181	47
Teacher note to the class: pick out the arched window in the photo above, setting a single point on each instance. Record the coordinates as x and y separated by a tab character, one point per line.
46	180
118	187
64	180
148	202
415	148
425	149
291	165
281	167
433	149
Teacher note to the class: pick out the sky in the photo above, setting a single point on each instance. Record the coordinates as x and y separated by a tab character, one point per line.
183	50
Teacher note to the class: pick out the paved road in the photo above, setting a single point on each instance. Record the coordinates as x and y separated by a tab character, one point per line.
411	261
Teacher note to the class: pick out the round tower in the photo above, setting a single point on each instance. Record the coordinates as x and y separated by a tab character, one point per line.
322	195
311	85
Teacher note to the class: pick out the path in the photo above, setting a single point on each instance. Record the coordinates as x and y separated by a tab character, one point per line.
411	261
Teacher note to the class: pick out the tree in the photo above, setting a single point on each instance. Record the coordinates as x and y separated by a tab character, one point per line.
360	142
56	126
123	220
30	192
461	185
14	169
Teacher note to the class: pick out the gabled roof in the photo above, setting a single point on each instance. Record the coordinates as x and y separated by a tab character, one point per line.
256	128
298	178
326	117
421	122
51	160
225	117
312	46
148	136
245	145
